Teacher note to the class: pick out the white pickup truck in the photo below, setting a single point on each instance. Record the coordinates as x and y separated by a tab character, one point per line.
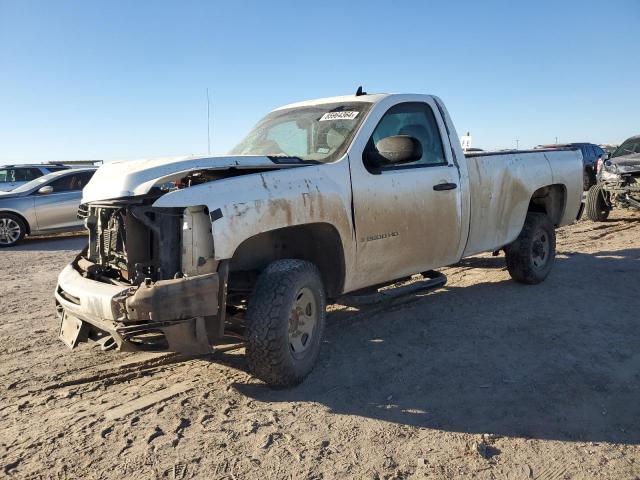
322	198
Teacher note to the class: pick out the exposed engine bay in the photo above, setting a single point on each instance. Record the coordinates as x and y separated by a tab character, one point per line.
130	242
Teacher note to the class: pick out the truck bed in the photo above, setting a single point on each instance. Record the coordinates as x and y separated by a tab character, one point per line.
500	191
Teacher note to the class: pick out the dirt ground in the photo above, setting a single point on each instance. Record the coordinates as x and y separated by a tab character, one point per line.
484	379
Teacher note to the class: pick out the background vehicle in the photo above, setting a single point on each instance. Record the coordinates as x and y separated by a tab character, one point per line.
618	182
12	176
45	205
608	148
591	153
322	198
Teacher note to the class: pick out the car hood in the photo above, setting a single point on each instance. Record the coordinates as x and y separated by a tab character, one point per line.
624	163
137	177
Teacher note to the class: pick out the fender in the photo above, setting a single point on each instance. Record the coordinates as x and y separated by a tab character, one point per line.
244	206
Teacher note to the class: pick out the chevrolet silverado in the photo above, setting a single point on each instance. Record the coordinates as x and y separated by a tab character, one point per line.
322	198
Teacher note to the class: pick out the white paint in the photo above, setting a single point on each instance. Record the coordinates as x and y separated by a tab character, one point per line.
137	177
413	227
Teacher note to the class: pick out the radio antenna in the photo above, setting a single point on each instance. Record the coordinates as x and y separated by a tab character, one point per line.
208	124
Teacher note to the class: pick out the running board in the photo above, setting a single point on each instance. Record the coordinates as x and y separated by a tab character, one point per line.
433	280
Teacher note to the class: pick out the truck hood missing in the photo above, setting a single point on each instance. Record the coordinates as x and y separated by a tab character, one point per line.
137	177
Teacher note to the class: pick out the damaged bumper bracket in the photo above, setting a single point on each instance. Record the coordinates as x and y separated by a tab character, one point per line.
168	315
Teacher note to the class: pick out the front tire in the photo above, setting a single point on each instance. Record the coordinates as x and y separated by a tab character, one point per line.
597	208
530	257
12	230
285	322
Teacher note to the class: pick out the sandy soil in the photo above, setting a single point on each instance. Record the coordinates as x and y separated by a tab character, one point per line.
483	379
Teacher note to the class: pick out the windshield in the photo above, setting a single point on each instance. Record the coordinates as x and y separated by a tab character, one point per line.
630	146
320	133
32	184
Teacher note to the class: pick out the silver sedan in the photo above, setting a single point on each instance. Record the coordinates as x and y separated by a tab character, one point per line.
48	204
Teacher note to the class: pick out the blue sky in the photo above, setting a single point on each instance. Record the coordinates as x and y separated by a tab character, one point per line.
120	79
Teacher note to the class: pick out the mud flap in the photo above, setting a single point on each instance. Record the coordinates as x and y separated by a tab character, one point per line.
72	330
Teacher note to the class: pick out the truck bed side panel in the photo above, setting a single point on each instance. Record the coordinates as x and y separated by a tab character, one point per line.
501	187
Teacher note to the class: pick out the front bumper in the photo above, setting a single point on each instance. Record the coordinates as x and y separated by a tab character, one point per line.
168	315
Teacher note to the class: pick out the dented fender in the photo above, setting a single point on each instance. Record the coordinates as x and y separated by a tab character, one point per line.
244	206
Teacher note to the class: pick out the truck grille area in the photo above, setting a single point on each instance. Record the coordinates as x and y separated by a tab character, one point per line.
131	242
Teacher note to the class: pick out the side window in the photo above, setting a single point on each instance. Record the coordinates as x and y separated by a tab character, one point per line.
32	174
417	120
6	175
590	152
21	175
68	183
599	152
83	179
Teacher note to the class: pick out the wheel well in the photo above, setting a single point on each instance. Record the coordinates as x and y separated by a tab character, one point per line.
318	243
24	220
550	200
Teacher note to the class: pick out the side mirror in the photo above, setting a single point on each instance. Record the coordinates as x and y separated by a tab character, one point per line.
46	190
395	150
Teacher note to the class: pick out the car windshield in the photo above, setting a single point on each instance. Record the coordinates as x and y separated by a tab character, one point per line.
25	187
630	146
320	133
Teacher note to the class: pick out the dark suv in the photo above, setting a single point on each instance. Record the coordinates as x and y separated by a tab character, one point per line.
591	153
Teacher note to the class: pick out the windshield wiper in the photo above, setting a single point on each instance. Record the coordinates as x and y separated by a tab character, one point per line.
284	159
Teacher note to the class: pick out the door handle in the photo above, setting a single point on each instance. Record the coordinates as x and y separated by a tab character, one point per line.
444	186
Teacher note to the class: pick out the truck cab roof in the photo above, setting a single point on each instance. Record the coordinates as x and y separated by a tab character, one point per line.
365	98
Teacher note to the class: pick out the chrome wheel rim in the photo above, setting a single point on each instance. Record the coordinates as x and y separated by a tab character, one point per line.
9	231
540	249
302	322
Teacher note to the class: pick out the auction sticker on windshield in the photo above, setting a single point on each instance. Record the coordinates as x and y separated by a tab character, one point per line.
338	116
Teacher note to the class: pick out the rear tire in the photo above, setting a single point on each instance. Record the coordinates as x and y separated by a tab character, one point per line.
597	208
285	322
530	257
12	230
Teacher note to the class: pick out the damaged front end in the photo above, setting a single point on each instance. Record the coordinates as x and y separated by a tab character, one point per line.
146	281
621	181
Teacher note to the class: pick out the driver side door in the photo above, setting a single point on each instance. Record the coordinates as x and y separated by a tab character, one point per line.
407	217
